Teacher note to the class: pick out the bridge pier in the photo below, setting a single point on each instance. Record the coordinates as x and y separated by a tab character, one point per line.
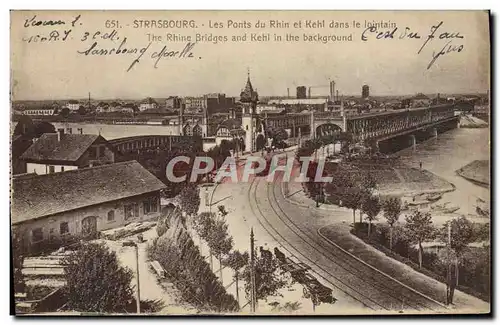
413	142
435	133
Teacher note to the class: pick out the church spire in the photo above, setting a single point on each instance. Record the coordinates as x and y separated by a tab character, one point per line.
248	94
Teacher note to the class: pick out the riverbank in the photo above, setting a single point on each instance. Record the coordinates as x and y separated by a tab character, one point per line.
118	119
409	181
472	122
478	172
340	234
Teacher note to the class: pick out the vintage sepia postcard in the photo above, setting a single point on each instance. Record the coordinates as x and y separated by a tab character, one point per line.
250	162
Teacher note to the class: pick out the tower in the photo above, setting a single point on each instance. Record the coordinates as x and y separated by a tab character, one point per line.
249	99
301	92
332	91
365	91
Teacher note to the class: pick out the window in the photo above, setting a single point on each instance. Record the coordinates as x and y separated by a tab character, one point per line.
154	205
111	215
102	151
52	169
146	207
62	168
131	211
150	205
63	228
37	235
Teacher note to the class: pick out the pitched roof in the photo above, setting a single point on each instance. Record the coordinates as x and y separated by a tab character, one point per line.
70	148
36	196
248	94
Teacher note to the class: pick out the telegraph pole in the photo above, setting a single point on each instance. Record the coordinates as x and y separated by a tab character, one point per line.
138	292
448	273
137	275
252	274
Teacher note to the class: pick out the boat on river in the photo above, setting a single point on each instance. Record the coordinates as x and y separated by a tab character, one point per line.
433	197
444	208
482	208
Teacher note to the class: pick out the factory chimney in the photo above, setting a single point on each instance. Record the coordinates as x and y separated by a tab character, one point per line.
288	92
332	91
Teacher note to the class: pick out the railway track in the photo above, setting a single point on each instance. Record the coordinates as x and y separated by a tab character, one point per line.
389	295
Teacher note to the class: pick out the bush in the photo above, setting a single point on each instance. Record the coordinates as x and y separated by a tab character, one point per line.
474	275
192	276
95	281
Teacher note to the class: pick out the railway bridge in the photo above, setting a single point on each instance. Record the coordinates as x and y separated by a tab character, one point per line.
369	127
136	143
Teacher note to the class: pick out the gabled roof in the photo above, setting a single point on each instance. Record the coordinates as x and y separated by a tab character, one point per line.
70	148
248	94
36	196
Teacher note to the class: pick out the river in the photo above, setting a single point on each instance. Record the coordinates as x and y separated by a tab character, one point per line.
113	131
449	152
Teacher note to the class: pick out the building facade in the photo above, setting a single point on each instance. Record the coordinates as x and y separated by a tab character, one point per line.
83	202
40	111
148	103
73	105
173	103
60	152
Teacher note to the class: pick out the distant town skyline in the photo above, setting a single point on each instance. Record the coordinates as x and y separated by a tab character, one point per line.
391	67
96	99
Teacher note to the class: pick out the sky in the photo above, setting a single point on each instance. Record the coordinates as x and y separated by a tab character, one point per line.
390	66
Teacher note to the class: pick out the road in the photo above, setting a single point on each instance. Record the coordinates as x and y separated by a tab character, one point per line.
296	230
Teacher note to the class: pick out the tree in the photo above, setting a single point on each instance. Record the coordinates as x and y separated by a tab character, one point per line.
236	261
204	225
189	199
260	142
392	210
24	126
369	182
82	110
462	234
43	127
344	190
64	112
269	277
18	252
419	228
371	207
95	282
220	242
277	134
